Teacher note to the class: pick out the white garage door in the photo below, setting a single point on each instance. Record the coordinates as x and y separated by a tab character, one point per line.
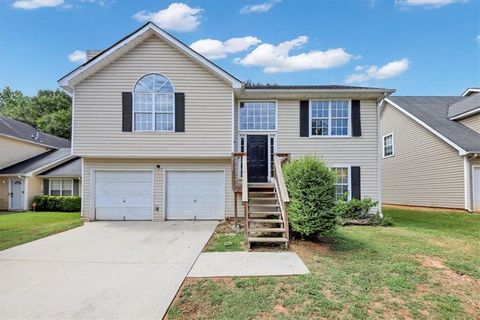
123	195
195	195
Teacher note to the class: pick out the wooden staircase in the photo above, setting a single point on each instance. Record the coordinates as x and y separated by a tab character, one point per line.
264	204
265	221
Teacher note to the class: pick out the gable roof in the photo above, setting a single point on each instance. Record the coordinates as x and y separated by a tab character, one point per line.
432	113
23	131
467	106
40	161
70	168
130	41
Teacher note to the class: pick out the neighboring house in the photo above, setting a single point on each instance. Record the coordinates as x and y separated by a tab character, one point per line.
431	148
33	163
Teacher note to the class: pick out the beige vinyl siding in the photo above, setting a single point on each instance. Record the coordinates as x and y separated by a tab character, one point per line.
473	162
33	188
17	151
424	171
98	107
472	122
158	194
354	151
4	193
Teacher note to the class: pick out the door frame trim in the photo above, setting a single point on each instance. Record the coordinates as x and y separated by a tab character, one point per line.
475	208
270	135
93	184
22	194
164	193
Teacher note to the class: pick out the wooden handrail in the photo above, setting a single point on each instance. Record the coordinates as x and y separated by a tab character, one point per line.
244	179
280	179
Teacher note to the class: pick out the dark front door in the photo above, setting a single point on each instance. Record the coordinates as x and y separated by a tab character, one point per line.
257	153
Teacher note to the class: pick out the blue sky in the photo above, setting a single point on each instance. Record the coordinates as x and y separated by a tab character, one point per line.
419	47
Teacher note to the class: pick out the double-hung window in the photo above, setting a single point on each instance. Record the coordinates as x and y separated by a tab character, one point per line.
153	104
388	150
258	115
342	184
61	187
330	118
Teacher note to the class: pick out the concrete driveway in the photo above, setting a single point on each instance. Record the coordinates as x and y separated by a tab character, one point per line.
107	270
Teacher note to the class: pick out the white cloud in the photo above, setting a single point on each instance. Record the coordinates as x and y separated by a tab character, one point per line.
216	49
259	8
478	38
389	70
275	59
78	56
426	3
177	17
35	4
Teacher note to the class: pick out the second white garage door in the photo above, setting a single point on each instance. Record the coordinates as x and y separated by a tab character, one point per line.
195	195
123	195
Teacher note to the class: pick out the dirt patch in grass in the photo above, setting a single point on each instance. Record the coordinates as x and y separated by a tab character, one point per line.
226	238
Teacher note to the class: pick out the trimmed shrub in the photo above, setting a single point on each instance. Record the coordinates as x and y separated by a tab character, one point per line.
311	187
354	209
57	203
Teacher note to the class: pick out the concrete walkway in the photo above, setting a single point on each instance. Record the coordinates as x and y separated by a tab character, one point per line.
229	264
103	270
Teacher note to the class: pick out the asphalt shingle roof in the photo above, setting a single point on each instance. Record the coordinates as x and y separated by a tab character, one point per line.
71	168
466	104
36	162
25	131
309	87
434	112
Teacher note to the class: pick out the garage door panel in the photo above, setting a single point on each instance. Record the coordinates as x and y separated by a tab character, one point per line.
195	195
123	195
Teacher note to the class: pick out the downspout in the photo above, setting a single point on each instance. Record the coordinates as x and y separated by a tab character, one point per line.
380	102
467	180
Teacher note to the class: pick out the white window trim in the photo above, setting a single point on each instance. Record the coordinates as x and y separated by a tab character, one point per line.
393	145
349	167
153	106
270	136
256	130
61	186
349	121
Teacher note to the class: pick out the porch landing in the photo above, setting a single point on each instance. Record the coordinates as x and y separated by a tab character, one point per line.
243	264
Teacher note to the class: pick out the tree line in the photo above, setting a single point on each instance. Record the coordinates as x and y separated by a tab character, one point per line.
49	111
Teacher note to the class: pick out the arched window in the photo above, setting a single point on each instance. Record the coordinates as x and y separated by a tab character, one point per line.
153	104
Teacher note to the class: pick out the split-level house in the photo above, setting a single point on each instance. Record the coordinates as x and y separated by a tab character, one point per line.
431	148
165	134
34	163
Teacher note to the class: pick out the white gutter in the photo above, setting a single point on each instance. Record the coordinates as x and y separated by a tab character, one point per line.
466	114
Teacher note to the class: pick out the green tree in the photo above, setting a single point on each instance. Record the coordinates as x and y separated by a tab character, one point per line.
49	110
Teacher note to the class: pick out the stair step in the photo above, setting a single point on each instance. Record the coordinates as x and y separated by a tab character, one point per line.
262	192
266	230
273	213
261	185
262	199
266	239
254	220
263	205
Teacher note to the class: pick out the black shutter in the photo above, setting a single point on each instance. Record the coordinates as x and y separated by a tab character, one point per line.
179	112
127	112
356	185
356	121
46	186
304	112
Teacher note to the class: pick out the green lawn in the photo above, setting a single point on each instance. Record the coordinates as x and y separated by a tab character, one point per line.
425	267
18	228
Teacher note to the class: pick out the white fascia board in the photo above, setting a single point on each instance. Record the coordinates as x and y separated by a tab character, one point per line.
466	114
65	82
460	150
470	90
